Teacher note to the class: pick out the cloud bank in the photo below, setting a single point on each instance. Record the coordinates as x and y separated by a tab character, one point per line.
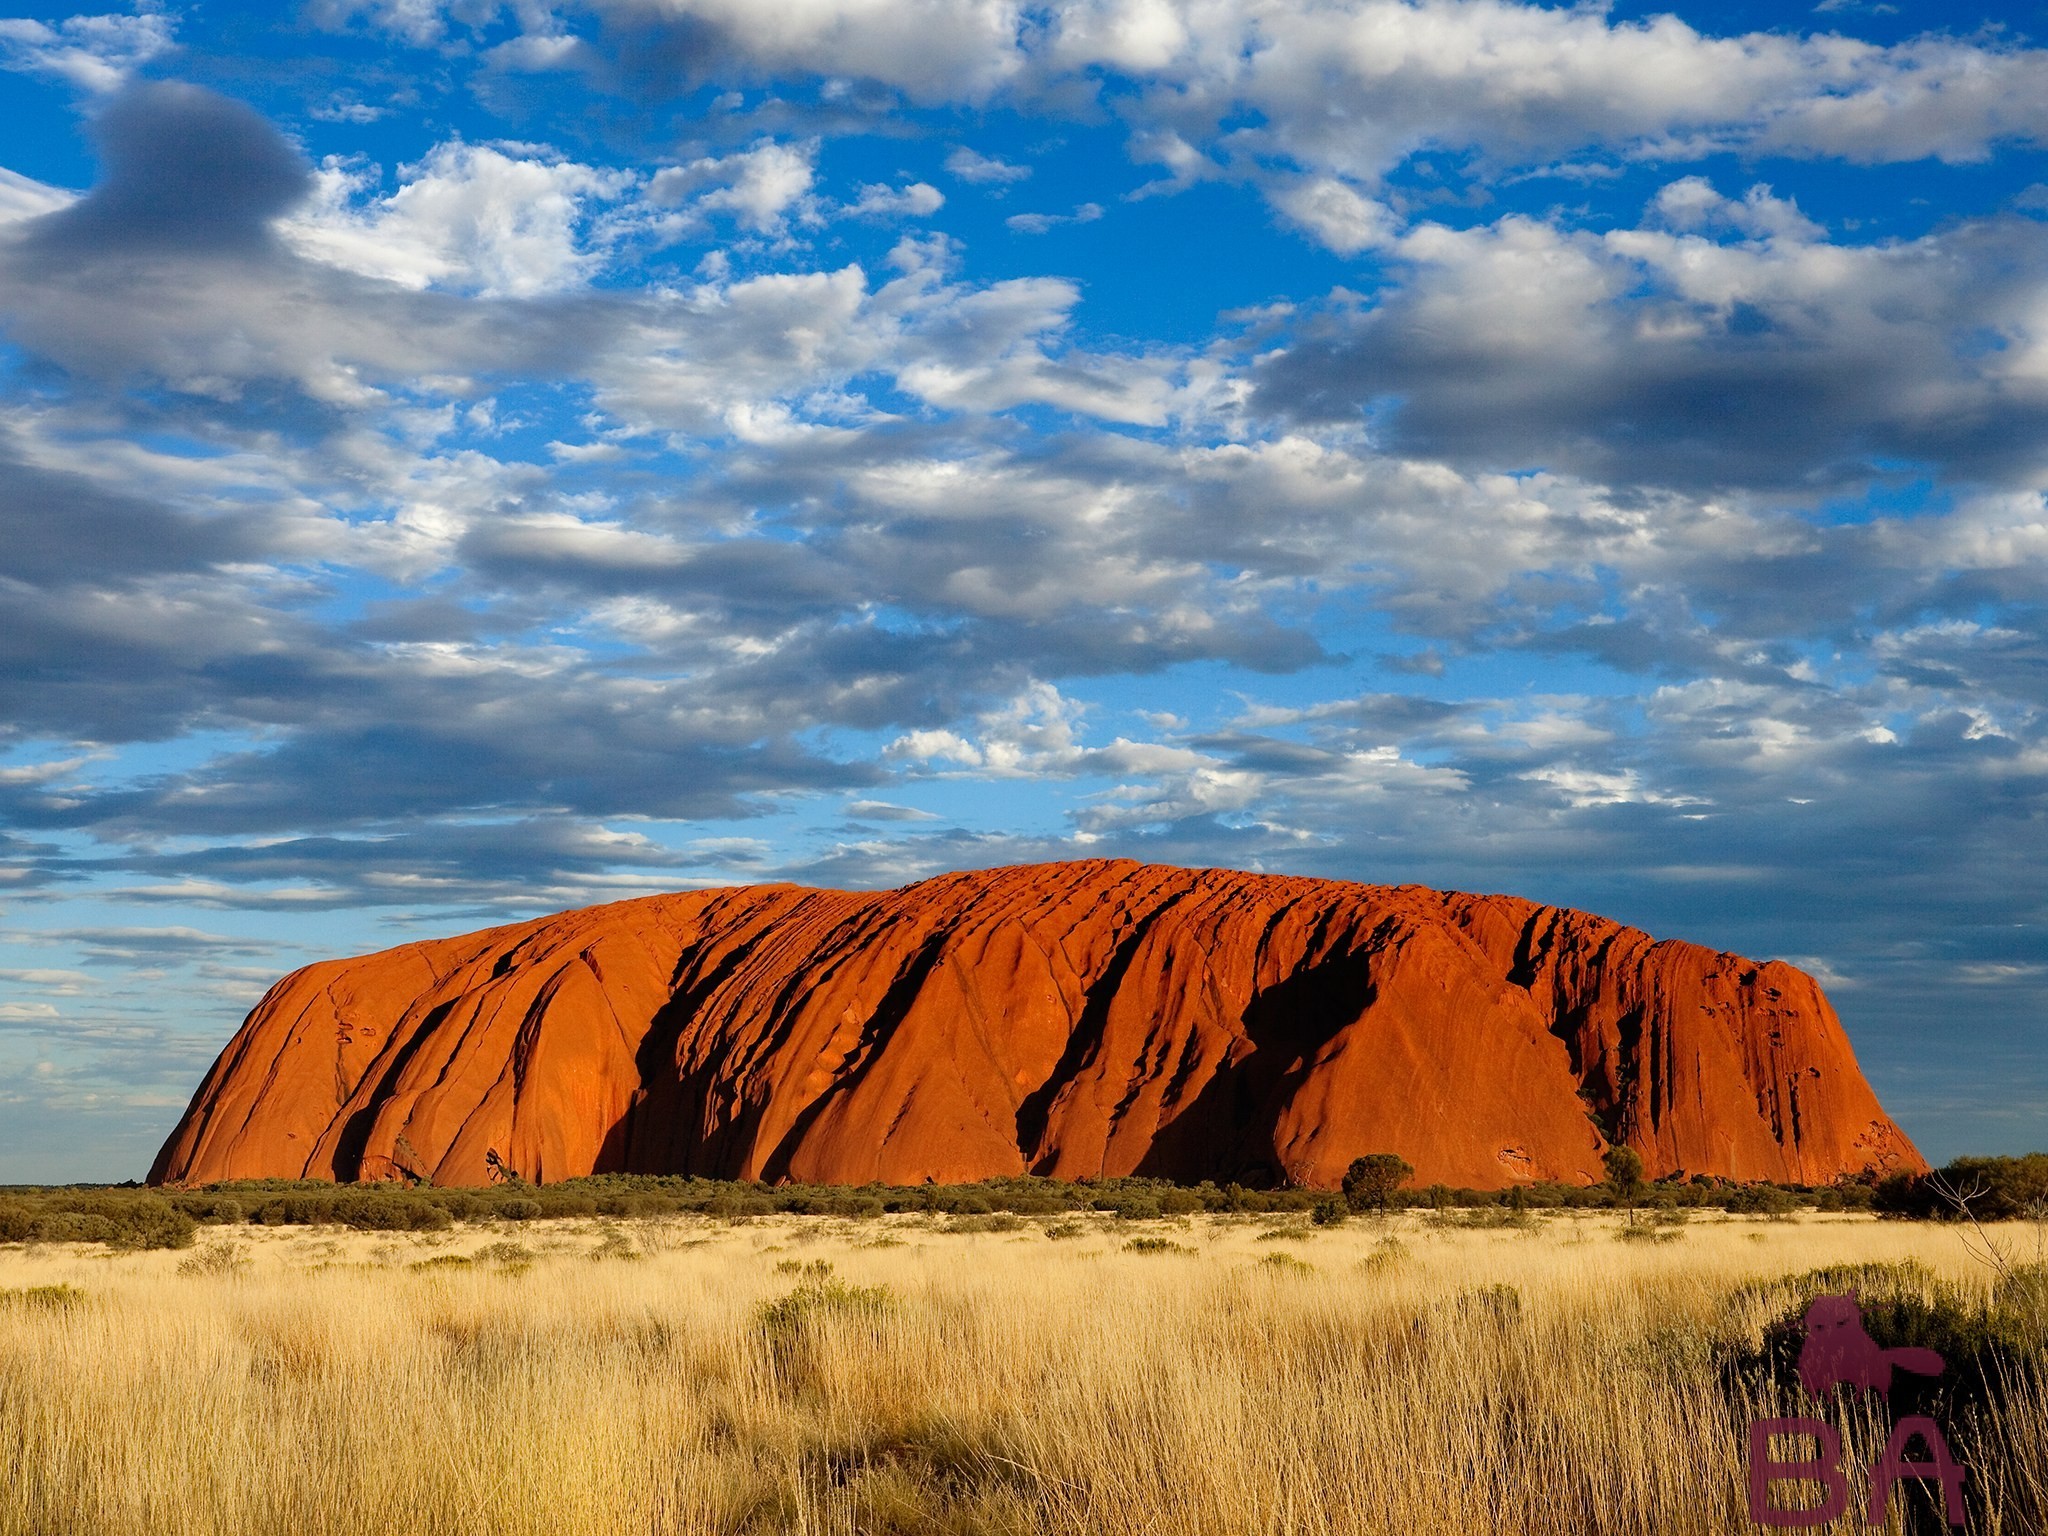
671	443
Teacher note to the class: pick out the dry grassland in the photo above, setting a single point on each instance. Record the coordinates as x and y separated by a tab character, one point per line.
582	1377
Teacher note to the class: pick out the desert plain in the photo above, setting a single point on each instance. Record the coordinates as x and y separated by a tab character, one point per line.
1215	1375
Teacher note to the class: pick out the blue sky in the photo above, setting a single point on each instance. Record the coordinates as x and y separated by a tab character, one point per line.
460	461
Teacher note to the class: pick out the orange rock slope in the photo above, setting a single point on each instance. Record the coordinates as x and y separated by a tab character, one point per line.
1076	1020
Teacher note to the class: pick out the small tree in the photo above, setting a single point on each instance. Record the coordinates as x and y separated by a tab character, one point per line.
1624	1174
1370	1181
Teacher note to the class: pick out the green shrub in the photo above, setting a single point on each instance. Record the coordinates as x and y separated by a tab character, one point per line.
2000	1188
213	1209
1133	1207
390	1213
1497	1304
641	1203
1155	1245
2019	1307
1485	1218
1370	1181
789	1326
1985	1347
819	1298
997	1221
17	1220
1388	1253
1992	1188
216	1258
71	1227
1624	1167
1645	1232
121	1219
737	1207
1329	1212
1287	1264
1758	1200
44	1298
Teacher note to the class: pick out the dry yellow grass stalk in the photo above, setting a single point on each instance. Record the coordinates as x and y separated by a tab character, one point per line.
622	1379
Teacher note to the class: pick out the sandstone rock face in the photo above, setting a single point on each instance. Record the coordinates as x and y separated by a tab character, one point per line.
1086	1019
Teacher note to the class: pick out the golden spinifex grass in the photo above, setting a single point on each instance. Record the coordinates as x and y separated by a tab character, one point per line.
690	1376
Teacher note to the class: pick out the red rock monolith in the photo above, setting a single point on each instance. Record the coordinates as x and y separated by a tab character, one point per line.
1089	1019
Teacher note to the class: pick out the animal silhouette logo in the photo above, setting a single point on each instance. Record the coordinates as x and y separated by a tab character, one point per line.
1839	1353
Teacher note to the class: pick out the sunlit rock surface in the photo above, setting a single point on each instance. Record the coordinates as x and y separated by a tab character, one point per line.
1077	1020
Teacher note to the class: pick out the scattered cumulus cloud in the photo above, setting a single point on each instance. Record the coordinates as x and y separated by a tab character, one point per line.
984	170
761	188
97	54
1039	223
469	217
419	519
913	200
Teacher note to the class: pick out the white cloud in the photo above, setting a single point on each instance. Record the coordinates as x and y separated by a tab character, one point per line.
1692	204
538	52
928	746
914	200
761	187
63	982
1337	215
468	216
1582	787
733	355
1614	354
1134	36
346	109
23	198
933	50
419	22
1339	92
1993	973
96	53
1347	89
983	170
883	810
1032	734
1039	223
41	773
